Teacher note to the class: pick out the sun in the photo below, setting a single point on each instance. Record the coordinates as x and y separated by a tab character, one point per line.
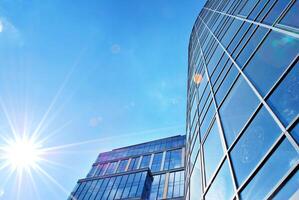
22	153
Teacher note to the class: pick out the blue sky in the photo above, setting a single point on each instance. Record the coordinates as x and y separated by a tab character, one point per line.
89	76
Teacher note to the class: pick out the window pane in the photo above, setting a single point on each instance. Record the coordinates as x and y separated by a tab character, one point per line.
157	161
227	82
213	151
122	166
272	58
284	158
295	133
290	189
254	143
145	161
195	182
173	159
285	99
275	12
222	187
155	187
111	168
237	108
252	44
291	18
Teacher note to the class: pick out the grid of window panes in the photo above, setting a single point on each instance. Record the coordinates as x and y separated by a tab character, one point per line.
166	163
134	185
157	162
243	101
149	147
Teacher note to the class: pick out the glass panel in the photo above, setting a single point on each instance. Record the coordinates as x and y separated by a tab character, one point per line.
122	166
161	187
173	159
133	164
194	151
207	119
290	189
114	189
121	187
157	161
145	161
254	143
213	151
248	8
227	82
155	187
284	158
128	186
97	188
272	58
170	185
222	187
252	44
237	108
285	99
291	18
295	133
195	182
275	12
111	168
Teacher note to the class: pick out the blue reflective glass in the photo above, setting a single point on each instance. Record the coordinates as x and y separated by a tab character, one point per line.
284	158
275	11
157	161
237	108
291	18
231	32
254	143
295	133
272	58
252	44
247	8
227	82
195	181
212	155
145	161
194	150
222	186
290	190
285	99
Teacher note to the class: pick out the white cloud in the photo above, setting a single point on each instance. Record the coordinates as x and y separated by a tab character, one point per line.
95	121
115	48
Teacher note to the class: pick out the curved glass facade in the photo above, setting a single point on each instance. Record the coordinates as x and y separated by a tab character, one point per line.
243	101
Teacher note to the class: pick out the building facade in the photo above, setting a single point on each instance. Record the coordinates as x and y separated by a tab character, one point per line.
152	170
243	101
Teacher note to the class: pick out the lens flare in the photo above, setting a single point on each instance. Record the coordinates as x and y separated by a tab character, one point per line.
21	153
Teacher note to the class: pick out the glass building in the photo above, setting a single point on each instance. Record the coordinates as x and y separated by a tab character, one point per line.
152	170
243	101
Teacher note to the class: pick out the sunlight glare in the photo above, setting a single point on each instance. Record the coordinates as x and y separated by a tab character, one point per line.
22	153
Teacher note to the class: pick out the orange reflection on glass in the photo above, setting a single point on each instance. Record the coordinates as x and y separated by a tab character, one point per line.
197	78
